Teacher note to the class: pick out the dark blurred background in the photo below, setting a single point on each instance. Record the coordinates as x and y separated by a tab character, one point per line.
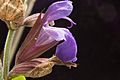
98	37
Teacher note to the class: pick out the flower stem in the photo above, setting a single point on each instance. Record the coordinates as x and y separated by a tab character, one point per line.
7	53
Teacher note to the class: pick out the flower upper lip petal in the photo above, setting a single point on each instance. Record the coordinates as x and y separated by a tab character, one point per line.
58	10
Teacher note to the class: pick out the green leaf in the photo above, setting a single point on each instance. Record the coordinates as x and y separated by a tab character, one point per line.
20	77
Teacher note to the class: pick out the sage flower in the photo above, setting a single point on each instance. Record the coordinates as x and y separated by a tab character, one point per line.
42	37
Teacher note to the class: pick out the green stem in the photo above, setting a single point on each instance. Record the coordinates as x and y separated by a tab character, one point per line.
7	53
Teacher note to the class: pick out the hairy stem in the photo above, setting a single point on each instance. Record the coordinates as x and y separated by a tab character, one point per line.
7	48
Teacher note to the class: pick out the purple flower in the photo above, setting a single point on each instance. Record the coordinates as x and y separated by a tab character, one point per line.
67	50
42	37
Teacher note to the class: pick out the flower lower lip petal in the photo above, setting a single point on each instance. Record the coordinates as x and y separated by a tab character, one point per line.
67	50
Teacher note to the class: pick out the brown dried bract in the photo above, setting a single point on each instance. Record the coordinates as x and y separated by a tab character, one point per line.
12	10
57	61
35	68
40	70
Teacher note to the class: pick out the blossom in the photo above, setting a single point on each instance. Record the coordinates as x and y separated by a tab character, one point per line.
42	37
